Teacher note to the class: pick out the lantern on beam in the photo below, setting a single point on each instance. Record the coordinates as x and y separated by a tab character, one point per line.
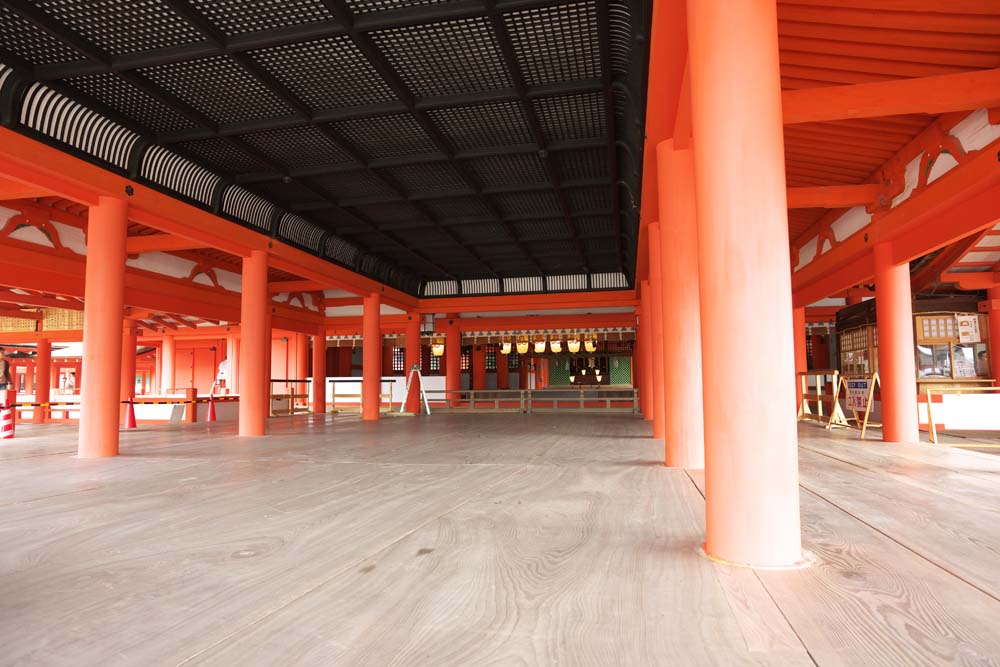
522	344
590	344
540	345
573	344
555	346
505	346
437	347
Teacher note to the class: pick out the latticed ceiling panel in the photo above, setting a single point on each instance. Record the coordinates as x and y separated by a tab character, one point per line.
408	127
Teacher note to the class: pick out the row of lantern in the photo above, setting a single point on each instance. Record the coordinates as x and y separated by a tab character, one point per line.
522	344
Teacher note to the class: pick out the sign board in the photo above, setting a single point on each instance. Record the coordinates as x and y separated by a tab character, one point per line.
968	329
857	393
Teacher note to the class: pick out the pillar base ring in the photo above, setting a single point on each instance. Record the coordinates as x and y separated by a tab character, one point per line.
808	560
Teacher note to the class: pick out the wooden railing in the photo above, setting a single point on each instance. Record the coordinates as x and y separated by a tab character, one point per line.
624	400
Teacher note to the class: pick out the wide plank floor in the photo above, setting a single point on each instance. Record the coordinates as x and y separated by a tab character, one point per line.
489	539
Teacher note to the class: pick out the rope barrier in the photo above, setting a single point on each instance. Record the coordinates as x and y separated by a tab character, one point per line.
137	402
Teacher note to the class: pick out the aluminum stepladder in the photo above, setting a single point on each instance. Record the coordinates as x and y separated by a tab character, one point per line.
415	370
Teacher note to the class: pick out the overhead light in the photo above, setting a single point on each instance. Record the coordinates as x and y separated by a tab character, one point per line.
572	379
555	346
590	345
540	346
522	344
505	347
573	345
437	347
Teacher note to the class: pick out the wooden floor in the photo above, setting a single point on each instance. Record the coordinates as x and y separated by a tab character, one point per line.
479	540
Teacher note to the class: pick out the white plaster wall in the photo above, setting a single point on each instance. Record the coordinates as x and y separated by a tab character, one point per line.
975	131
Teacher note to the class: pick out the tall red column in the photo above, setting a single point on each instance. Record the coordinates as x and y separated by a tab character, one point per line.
801	365
233	355
413	359
993	356
130	341
255	343
645	351
656	306
104	297
168	363
684	419
751	458
371	369
453	357
478	366
522	372
319	371
896	366
43	378
503	371
301	357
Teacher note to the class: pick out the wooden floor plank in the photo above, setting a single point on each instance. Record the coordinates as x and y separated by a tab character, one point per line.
477	539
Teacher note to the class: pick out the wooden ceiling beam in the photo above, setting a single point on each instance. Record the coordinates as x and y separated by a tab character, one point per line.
136	245
834	196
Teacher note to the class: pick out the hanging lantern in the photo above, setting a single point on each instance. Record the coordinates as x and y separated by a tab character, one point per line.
505	346
540	346
590	344
522	344
573	345
555	346
437	347
572	379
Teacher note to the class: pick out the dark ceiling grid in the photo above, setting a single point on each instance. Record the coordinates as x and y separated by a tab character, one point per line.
441	107
517	77
367	47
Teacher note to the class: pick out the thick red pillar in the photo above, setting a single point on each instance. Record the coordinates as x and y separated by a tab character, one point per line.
130	342
104	297
503	371
453	357
371	369
301	358
801	365
522	372
255	344
684	420
168	364
751	458
896	366
478	362
413	359
656	306
43	378
993	356
319	371
644	355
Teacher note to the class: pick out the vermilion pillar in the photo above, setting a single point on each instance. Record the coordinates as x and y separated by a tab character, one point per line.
413	359
130	341
319	371
896	366
748	365
255	345
656	306
684	420
301	359
43	378
503	371
522	372
453	357
104	296
994	336
168	363
371	369
233	355
478	366
644	352
801	365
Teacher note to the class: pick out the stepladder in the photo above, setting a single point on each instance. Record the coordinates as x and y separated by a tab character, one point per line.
415	373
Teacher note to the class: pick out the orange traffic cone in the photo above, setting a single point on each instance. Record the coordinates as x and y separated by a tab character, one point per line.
130	415
211	407
6	422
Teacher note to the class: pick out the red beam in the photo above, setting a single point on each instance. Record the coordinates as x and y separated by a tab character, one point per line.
973	281
927	95
294	286
22	314
161	242
834	196
473	304
964	201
